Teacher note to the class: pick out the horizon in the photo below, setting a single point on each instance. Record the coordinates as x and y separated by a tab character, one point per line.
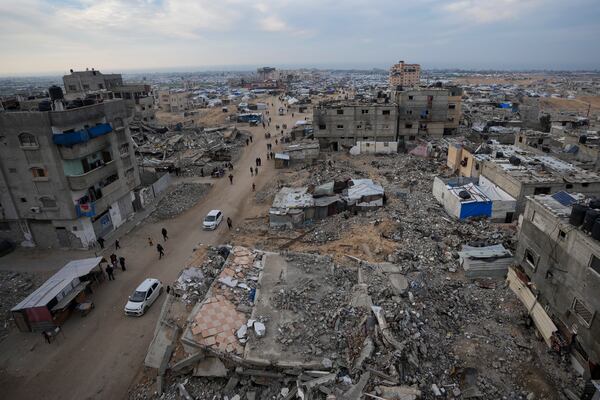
41	37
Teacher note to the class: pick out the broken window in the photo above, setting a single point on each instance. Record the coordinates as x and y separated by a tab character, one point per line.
364	111
585	184
583	312
408	126
72	88
322	126
411	138
386	144
411	97
48	202
520	139
562	234
38	172
541	190
595	264
531	258
340	112
386	112
569	186
27	140
451	106
340	126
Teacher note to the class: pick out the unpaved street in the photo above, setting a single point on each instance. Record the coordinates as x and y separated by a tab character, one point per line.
99	355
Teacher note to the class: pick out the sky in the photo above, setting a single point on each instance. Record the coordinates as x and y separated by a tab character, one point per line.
52	36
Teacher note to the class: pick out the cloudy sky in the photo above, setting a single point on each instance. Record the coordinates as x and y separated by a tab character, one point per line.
52	36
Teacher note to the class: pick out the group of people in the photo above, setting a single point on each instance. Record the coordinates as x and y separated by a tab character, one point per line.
159	247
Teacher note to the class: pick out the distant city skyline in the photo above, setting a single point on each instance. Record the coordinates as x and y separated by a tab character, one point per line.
50	37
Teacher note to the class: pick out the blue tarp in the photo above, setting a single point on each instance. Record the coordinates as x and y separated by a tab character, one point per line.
475	209
82	136
71	138
505	105
99	130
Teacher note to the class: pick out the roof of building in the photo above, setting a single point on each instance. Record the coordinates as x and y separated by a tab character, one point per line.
288	198
58	282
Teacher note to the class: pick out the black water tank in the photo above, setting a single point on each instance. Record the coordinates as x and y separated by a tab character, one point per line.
89	102
595	203
582	139
577	214
514	160
45	105
591	216
499	154
596	230
463	194
56	93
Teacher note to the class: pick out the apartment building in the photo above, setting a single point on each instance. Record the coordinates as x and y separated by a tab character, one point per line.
340	124
559	254
90	80
432	112
96	85
405	75
138	99
174	100
66	177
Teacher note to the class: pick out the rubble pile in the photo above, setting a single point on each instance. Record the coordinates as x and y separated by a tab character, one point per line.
179	199
14	287
193	282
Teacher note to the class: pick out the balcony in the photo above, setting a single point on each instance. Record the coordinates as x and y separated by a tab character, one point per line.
70	139
82	182
84	149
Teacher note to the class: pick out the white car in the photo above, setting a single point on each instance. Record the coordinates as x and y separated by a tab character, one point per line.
212	219
143	297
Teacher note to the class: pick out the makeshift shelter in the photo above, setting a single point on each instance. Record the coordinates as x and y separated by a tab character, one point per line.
282	160
291	207
50	304
364	194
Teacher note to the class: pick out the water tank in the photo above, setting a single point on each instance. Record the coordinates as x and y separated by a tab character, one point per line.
578	214
89	102
499	154
56	93
596	230
591	216
45	105
582	139
514	160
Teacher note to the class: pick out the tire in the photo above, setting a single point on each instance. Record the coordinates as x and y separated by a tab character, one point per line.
145	309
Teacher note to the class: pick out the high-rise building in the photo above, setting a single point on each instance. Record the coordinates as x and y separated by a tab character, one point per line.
405	75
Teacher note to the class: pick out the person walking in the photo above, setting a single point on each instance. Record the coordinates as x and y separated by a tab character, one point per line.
229	223
101	242
117	244
250	138
165	234
256	171
251	171
161	251
110	272
113	258
247	142
150	243
231	179
122	262
259	162
253	187
202	172
276	142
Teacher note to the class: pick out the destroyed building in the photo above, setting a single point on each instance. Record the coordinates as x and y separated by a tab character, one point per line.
559	254
405	75
174	100
90	80
340	124
297	154
67	174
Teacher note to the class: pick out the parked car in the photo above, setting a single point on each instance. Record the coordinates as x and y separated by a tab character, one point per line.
212	219
143	297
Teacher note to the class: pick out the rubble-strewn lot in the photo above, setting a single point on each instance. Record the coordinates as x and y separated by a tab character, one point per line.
179	199
14	287
432	334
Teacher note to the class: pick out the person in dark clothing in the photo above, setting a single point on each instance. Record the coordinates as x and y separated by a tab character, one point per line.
250	139
109	271
122	262
202	172
161	251
256	171
46	336
164	233
117	244
259	162
229	222
247	142
101	242
251	171
113	258
231	179
253	187
276	141
256	162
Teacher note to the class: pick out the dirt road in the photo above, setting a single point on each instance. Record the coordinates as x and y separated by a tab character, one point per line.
99	355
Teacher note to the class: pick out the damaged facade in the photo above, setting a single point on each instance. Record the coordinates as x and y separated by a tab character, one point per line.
67	176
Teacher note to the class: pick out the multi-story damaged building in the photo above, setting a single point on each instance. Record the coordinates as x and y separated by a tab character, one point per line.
430	112
340	124
406	116
405	75
174	100
96	85
66	175
90	80
559	252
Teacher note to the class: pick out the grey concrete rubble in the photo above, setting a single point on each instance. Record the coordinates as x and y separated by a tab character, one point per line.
179	199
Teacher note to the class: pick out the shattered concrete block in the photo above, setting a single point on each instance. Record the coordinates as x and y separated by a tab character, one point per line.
259	329
242	332
398	392
327	363
211	366
229	281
